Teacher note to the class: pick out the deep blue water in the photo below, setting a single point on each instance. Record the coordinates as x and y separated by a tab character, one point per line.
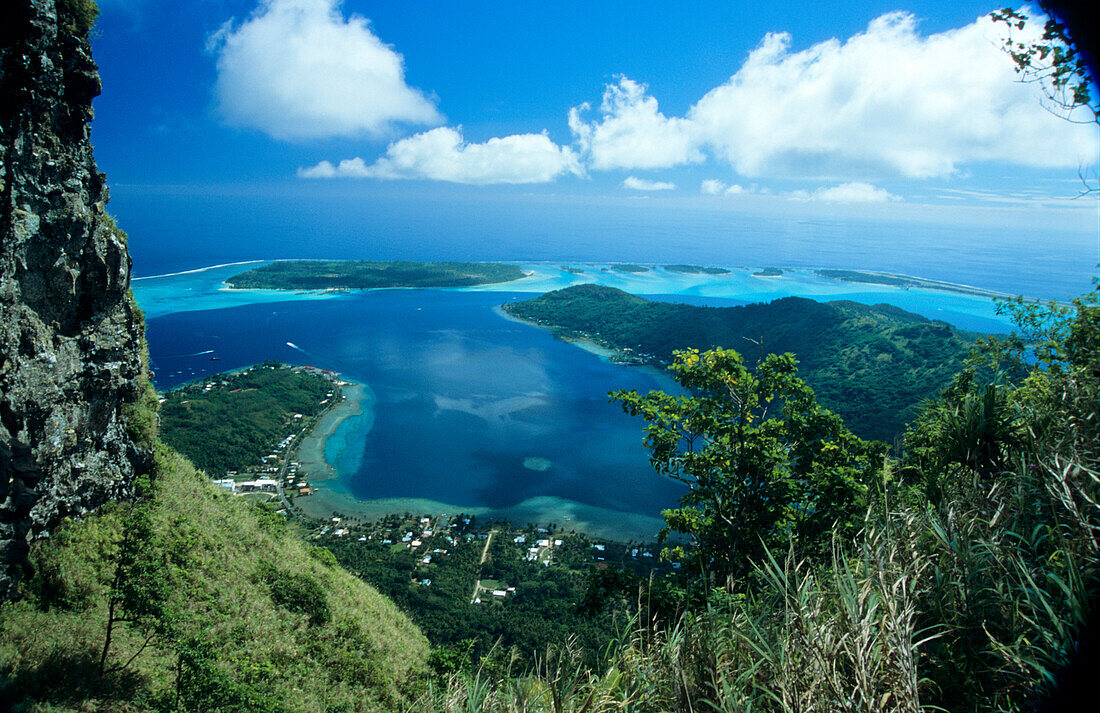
171	232
464	396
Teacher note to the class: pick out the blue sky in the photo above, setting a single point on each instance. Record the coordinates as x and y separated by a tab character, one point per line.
898	109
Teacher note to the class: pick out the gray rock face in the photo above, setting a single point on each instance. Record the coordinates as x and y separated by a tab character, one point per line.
71	340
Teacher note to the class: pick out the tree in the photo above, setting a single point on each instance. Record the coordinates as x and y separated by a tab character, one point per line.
1055	61
764	463
141	588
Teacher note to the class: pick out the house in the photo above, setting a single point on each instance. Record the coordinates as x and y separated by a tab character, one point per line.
227	483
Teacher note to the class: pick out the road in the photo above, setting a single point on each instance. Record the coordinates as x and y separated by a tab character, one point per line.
481	561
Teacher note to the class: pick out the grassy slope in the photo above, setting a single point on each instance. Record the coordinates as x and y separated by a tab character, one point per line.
871	364
368	656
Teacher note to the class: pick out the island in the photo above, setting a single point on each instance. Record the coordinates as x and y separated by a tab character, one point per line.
872	364
242	424
768	272
904	282
630	267
371	274
697	270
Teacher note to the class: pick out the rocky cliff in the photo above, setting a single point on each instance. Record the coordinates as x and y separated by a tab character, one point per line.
70	337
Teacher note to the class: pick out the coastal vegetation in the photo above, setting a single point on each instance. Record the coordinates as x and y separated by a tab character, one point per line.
872	365
697	270
868	277
366	274
231	421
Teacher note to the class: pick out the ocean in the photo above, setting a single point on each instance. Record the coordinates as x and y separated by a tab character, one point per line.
468	411
171	232
465	409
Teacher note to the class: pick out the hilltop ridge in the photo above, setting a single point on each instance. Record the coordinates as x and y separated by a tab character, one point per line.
872	364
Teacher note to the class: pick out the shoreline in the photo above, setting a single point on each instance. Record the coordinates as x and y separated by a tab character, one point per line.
196	270
310	453
920	282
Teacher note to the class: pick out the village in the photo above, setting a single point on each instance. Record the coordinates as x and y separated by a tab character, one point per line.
491	557
276	475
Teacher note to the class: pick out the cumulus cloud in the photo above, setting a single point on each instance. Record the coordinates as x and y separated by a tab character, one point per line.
714	187
632	133
854	192
642	184
887	101
442	155
298	69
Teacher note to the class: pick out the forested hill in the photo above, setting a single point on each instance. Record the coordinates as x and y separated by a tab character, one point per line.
871	364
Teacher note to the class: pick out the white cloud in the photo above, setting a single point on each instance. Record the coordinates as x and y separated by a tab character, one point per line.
442	155
714	187
855	192
888	101
642	184
297	69
632	133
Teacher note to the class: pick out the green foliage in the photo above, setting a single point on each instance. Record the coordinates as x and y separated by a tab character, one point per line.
874	366
296	592
232	426
765	465
77	16
1054	61
364	274
141	414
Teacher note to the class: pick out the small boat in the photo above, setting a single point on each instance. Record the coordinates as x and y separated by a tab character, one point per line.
215	358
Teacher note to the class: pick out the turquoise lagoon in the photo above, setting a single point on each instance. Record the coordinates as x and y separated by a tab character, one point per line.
465	410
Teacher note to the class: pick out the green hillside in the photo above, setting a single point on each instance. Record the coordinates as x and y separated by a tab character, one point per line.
224	608
873	365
